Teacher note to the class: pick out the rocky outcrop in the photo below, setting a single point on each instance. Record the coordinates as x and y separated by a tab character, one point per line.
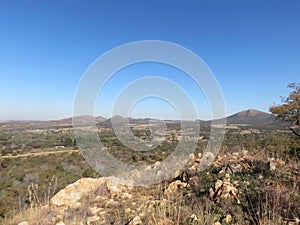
72	195
174	187
99	198
224	188
102	201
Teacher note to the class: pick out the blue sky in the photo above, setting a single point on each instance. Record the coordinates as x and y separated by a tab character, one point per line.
252	47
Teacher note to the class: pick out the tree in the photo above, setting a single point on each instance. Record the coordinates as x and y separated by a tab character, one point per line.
289	110
68	142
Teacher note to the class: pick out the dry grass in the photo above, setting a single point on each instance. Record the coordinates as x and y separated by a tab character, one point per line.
273	199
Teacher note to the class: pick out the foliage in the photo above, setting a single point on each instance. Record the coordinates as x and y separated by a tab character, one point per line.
18	174
289	111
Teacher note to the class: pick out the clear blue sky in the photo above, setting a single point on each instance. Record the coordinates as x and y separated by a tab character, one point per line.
253	48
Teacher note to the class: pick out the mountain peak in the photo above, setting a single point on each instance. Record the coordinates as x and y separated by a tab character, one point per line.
250	116
251	112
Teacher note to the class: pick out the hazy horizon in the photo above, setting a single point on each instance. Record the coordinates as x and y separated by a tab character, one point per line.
108	117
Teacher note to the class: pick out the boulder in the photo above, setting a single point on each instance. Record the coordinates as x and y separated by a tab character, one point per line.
23	223
73	193
174	187
136	221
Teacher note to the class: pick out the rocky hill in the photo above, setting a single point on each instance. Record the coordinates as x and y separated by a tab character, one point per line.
237	189
255	119
250	116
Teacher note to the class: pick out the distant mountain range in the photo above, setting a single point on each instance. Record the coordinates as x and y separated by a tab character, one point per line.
250	118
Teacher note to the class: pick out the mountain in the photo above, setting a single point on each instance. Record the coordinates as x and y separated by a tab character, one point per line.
253	118
250	116
69	120
117	120
41	124
121	120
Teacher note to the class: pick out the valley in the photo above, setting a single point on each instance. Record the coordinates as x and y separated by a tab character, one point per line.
44	154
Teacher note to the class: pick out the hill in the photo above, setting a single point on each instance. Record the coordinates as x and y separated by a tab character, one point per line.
255	119
250	118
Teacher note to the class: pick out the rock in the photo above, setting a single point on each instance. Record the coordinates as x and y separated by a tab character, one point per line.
280	162
236	154
23	223
193	217
174	186
136	221
228	218
296	221
165	221
234	158
94	210
217	223
104	201
227	177
72	194
117	190
244	152
198	159
211	193
192	160
246	166
92	220
236	183
56	219
275	163
224	189
272	164
128	210
60	223
208	157
218	184
177	173
229	191
236	168
126	196
222	172
194	168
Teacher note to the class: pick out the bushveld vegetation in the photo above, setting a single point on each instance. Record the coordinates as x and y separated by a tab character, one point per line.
29	179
